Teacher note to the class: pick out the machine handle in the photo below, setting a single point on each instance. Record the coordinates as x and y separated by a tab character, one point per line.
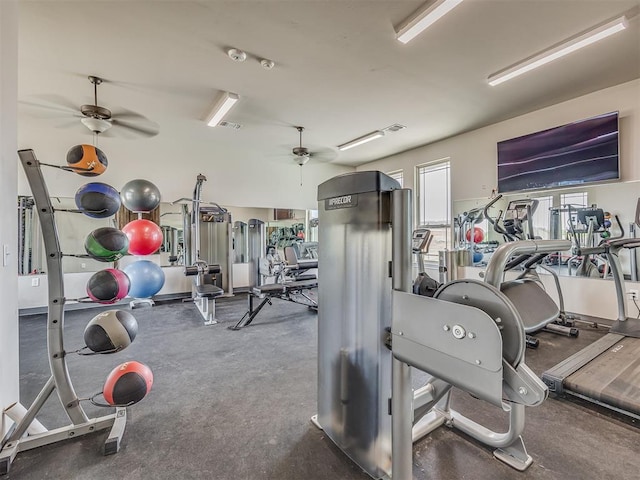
624	243
486	211
516	261
500	258
205	269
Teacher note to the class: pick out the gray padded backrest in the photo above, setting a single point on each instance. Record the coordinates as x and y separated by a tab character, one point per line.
290	256
534	305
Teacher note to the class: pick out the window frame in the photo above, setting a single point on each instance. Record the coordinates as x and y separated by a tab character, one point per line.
447	226
395	173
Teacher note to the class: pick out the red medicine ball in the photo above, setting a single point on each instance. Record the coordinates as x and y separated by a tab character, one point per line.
145	237
127	384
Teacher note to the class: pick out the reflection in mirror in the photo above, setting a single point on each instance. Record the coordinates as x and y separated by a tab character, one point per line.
298	227
240	242
557	211
73	228
172	221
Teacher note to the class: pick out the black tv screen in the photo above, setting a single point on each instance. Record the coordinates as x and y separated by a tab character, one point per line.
586	151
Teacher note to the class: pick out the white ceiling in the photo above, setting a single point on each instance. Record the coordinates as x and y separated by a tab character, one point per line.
339	70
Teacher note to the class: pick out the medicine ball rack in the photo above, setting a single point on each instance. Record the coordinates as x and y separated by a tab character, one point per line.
15	441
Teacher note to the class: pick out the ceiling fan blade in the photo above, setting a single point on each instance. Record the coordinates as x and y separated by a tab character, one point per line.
124	114
57	100
323	154
149	130
48	111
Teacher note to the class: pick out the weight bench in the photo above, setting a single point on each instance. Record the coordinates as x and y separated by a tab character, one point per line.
204	294
299	268
289	291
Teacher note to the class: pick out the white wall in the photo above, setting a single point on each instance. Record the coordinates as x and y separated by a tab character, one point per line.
9	386
583	296
242	182
474	154
474	173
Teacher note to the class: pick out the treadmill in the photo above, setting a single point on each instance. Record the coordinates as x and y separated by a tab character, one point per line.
607	372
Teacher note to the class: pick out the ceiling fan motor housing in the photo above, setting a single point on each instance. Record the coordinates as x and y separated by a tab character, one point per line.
301	155
95	111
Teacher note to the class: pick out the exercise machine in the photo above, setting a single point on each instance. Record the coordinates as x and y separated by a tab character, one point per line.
420	242
372	330
539	311
294	282
606	372
256	242
464	223
588	227
204	290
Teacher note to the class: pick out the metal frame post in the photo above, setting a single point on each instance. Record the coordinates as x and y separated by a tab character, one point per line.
401	394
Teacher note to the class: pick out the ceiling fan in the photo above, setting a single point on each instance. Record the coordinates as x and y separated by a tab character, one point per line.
99	119
301	155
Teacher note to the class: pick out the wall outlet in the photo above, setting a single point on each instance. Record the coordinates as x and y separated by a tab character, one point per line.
35	282
633	294
83	265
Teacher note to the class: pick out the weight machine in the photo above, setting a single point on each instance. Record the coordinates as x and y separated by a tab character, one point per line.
371	331
204	291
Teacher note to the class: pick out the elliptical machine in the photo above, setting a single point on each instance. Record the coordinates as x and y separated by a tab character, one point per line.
593	223
538	309
420	242
465	227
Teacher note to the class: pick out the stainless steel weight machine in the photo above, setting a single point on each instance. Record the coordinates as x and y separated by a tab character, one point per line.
371	331
212	261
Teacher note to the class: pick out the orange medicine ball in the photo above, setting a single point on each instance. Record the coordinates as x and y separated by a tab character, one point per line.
127	384
90	161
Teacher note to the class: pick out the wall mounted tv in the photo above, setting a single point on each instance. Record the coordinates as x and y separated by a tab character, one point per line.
578	153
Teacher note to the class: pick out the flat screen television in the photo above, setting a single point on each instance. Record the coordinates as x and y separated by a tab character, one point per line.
586	151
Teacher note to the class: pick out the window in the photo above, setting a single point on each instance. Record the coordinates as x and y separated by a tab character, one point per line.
434	204
397	175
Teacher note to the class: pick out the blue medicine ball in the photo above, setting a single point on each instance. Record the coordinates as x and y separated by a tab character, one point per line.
98	200
147	278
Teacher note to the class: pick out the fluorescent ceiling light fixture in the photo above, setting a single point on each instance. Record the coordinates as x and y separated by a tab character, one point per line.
559	50
221	108
361	140
423	18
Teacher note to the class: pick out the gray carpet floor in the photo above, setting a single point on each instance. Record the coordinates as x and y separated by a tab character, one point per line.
234	405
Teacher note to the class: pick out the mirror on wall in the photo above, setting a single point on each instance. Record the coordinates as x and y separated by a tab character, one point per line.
283	227
552	217
72	229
